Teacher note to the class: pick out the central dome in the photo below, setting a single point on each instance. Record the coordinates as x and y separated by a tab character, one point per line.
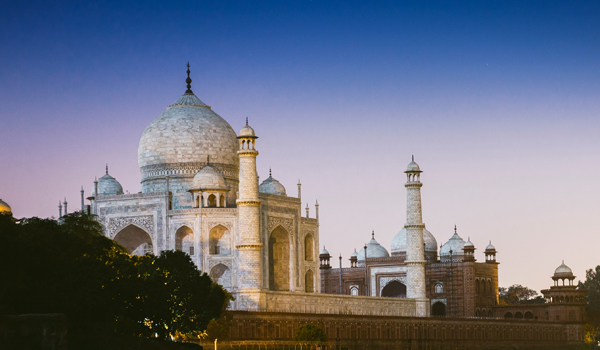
186	135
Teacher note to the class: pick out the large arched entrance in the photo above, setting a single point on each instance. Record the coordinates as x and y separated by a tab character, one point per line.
279	260
438	309
135	240
394	289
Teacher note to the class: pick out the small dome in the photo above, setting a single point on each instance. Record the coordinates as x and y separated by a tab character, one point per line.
355	254
563	271
412	166
324	251
208	177
455	243
399	242
109	186
272	186
5	208
469	244
247	131
490	247
374	250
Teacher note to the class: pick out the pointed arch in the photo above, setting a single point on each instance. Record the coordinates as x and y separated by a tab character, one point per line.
221	274
309	282
309	247
184	240
136	240
279	259
438	309
219	240
394	289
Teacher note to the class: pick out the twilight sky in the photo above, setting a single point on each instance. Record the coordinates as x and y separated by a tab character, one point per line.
499	101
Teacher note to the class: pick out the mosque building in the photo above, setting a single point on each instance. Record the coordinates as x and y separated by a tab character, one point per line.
200	194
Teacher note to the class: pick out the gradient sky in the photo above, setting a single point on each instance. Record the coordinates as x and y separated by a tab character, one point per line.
499	101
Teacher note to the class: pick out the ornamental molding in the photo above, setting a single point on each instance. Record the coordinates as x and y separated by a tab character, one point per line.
384	281
214	262
414	226
433	301
254	203
115	225
286	223
256	246
226	224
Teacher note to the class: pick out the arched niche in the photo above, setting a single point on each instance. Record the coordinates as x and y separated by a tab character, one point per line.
508	315
518	314
309	247
219	241
279	259
135	240
184	240
529	315
438	309
309	282
394	289
221	274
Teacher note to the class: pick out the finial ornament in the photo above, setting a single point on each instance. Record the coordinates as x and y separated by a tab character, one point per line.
455	228
246	121
373	234
413	157
188	80
270	175
106	168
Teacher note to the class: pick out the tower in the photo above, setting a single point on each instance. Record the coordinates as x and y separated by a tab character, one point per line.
249	245
415	252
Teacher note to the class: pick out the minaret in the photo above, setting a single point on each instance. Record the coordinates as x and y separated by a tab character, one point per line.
415	252
249	245
59	210
82	201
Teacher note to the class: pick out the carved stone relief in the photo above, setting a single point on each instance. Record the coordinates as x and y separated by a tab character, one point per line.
145	222
383	281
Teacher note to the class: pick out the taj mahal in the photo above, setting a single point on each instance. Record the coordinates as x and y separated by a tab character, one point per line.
200	194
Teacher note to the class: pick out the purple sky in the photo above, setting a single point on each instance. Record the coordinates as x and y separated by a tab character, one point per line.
499	102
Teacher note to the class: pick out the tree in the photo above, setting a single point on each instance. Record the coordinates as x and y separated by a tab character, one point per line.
310	332
517	294
592	287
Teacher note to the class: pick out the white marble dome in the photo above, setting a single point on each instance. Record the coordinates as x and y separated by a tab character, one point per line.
272	186
247	131
186	135
412	166
354	254
324	251
563	271
400	240
490	246
4	207
208	178
455	243
109	186
374	250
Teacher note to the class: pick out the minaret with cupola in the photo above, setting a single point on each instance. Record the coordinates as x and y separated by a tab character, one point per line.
415	252
249	245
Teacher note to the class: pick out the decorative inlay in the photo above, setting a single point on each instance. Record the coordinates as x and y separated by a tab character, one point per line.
226	224
214	262
286	223
145	222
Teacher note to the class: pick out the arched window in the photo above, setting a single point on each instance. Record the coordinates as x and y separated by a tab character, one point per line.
309	282
219	241
477	286
212	200
518	315
528	315
222	204
279	259
353	290
309	247
184	240
439	288
438	309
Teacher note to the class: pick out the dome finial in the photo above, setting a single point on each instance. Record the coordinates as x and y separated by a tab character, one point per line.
454	228
189	80
208	159
246	121
413	157
373	234
107	168
270	174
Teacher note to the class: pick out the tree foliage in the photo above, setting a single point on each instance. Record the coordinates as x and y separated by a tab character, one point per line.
71	268
518	294
592	287
310	332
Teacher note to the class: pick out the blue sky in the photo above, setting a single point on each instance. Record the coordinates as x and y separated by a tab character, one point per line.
498	100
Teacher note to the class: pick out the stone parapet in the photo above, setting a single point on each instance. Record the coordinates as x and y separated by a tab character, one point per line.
314	303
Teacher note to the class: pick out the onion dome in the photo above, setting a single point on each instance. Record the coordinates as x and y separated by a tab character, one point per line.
400	240
354	255
455	243
272	186
469	244
208	178
563	271
490	247
413	167
247	130
324	251
374	250
180	140
5	208
108	185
